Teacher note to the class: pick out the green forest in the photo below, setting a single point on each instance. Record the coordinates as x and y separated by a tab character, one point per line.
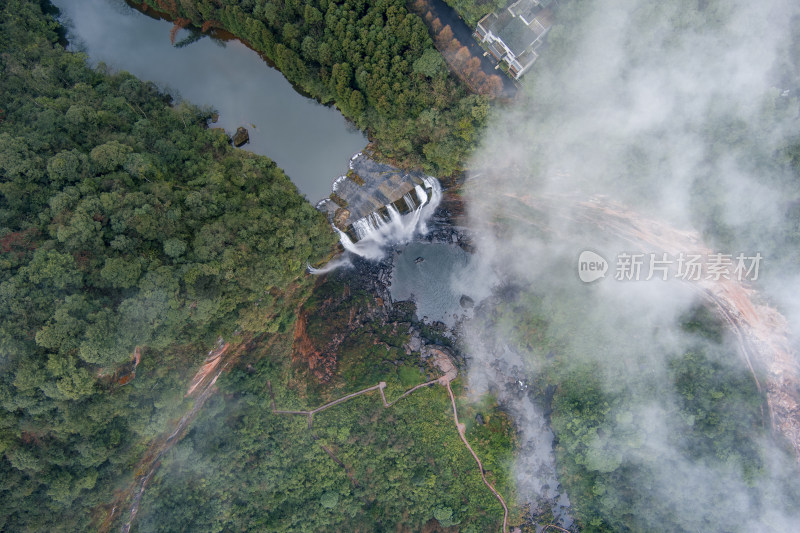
374	60
397	468
133	236
125	222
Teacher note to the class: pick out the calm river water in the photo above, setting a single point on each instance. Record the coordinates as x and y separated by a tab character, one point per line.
311	142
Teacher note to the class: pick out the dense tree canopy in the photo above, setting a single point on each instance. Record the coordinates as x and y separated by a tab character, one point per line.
132	236
124	222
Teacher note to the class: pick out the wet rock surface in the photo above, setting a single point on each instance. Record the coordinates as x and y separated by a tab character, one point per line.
367	187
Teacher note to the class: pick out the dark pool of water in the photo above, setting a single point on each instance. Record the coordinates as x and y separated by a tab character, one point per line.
436	276
311	142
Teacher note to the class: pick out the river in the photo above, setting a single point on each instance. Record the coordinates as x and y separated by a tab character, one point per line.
311	142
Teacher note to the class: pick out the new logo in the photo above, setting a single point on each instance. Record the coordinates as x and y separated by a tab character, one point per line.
591	266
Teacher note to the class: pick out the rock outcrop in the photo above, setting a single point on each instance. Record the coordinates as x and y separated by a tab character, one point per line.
241	137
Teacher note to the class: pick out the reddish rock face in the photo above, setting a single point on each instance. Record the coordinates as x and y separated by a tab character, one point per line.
321	361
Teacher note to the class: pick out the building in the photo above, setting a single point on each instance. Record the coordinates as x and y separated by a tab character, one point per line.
513	34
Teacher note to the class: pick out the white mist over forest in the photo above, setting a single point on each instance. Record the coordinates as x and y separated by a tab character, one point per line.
650	127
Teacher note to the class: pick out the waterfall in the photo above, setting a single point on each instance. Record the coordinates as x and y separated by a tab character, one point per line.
423	197
376	233
361	227
410	201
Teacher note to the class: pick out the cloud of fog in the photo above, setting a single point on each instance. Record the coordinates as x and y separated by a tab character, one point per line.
677	111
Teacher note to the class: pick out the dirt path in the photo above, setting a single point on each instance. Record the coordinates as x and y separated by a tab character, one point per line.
443	362
310	414
461	430
209	365
215	357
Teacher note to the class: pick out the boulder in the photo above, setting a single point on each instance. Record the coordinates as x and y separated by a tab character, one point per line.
340	218
414	343
241	137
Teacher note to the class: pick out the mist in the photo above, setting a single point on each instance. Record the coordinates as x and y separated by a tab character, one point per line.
646	127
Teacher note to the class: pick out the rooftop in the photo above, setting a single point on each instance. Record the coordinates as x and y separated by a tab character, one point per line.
517	35
526	9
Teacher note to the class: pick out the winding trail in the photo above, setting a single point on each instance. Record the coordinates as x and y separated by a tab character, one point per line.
310	414
443	362
461	430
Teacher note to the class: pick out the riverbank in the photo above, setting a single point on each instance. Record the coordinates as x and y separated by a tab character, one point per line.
310	141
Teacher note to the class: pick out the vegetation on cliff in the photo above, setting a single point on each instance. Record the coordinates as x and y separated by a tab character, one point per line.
361	466
705	405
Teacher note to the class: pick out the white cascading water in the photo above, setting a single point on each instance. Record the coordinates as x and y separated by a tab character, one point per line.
421	194
375	233
409	201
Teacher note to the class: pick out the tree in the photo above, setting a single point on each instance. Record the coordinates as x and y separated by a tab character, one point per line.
445	516
109	156
429	64
357	101
121	272
329	500
445	36
174	247
53	268
66	167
